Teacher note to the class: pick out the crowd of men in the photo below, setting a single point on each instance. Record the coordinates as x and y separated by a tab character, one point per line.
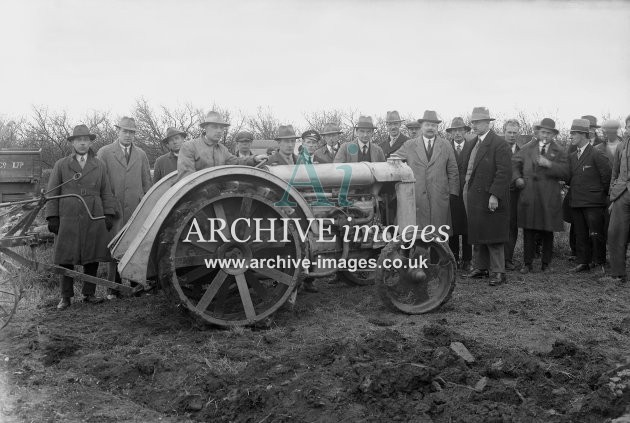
484	186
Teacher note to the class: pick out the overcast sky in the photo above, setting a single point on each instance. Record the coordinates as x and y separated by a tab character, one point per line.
547	58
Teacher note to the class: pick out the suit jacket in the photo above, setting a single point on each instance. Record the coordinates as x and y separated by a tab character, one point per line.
200	153
436	180
590	178
323	155
490	176
620	179
458	209
572	148
389	149
540	201
279	159
349	153
129	181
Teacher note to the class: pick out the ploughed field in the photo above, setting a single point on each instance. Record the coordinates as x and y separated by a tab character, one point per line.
550	347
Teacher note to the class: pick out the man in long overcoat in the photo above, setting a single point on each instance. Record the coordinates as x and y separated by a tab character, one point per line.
461	147
536	171
395	138
487	198
435	168
167	163
511	128
363	149
80	240
128	170
129	177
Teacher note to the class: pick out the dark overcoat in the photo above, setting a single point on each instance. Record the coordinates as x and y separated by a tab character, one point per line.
540	201
590	178
81	240
490	176
389	149
458	209
164	165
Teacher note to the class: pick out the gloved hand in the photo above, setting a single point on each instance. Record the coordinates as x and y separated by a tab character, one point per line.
520	183
109	222
53	224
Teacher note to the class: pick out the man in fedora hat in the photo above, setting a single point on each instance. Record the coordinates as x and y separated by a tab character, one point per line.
486	196
414	128
594	139
167	163
208	151
330	135
589	177
537	170
80	240
129	176
511	129
362	149
435	169
460	146
286	147
243	142
395	138
620	209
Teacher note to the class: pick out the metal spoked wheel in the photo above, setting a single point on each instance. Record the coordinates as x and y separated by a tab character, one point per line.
235	293
416	290
9	296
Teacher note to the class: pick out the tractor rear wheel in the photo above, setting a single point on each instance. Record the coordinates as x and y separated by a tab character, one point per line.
9	295
425	281
229	293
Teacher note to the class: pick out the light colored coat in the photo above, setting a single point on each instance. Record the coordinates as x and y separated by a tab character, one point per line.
201	153
129	181
436	180
80	240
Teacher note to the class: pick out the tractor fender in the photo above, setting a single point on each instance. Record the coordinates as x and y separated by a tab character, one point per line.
134	264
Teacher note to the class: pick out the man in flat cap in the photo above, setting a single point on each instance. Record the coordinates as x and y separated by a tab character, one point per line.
461	147
414	128
435	169
330	135
286	147
362	149
243	142
487	198
395	138
207	150
129	177
537	170
80	240
589	177
511	129
167	163
620	209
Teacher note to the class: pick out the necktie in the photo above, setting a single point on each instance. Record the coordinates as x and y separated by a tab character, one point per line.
579	152
82	161
127	154
459	149
430	149
365	150
544	150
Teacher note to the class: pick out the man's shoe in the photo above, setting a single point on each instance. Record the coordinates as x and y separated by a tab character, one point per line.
92	299
309	287
64	303
467	266
526	269
580	268
478	274
498	279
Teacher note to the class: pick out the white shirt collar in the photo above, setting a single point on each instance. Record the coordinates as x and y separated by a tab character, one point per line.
330	149
581	149
78	156
123	147
459	144
483	137
541	143
392	140
361	144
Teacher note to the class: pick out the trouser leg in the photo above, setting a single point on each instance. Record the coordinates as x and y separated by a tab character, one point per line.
595	220
496	255
572	240
453	243
529	246
66	283
618	234
583	248
466	249
88	287
547	247
513	232
481	258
